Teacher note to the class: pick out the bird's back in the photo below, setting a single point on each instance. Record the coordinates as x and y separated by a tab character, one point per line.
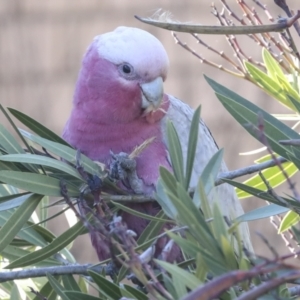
181	116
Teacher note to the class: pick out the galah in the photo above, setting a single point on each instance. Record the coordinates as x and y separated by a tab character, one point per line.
119	102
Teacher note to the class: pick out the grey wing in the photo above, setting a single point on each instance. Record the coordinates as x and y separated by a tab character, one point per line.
181	116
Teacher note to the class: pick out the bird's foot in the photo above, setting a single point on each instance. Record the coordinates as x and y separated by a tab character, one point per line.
123	168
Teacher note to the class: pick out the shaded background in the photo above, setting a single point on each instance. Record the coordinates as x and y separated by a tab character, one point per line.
41	47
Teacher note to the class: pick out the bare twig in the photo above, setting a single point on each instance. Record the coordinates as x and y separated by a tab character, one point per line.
202	59
249	170
195	28
220	180
57	270
218	285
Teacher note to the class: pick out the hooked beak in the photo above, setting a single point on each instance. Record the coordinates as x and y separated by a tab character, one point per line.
152	94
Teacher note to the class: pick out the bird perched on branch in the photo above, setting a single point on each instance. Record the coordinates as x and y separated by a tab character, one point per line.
119	102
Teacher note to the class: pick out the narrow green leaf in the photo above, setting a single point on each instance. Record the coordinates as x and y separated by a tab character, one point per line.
273	175
10	229
263	195
189	215
175	152
6	189
211	170
126	294
138	214
295	103
8	142
59	289
229	253
14	293
12	253
220	228
9	166
70	283
7	286
54	247
66	152
45	233
289	92
20	243
37	127
273	68
47	291
246	113
43	212
11	122
290	219
80	296
179	285
201	268
49	237
28	234
192	145
153	228
163	199
189	247
108	288
262	212
36	183
13	201
42	160
169	285
188	279
269	85
135	292
208	176
202	202
168	180
82	284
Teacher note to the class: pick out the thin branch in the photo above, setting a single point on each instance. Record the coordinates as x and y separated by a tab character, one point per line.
220	284
283	5
264	8
248	170
195	28
203	60
57	270
128	198
267	286
220	180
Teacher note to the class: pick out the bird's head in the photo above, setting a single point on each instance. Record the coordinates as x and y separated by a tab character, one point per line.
122	76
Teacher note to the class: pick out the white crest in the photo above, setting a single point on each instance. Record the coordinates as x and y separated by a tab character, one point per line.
135	46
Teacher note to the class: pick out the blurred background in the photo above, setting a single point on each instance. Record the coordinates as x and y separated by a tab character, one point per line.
42	44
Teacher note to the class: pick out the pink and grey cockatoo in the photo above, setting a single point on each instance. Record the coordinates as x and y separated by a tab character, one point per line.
119	102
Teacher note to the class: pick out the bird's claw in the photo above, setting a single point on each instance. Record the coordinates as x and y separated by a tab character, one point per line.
123	168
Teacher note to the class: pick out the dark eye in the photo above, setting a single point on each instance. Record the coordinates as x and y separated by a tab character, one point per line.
126	69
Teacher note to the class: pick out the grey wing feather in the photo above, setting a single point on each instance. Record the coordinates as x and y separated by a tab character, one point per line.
181	116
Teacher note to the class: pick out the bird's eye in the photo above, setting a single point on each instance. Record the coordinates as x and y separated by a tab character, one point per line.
126	69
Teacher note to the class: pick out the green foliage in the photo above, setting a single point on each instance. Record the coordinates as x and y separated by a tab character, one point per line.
209	248
273	131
